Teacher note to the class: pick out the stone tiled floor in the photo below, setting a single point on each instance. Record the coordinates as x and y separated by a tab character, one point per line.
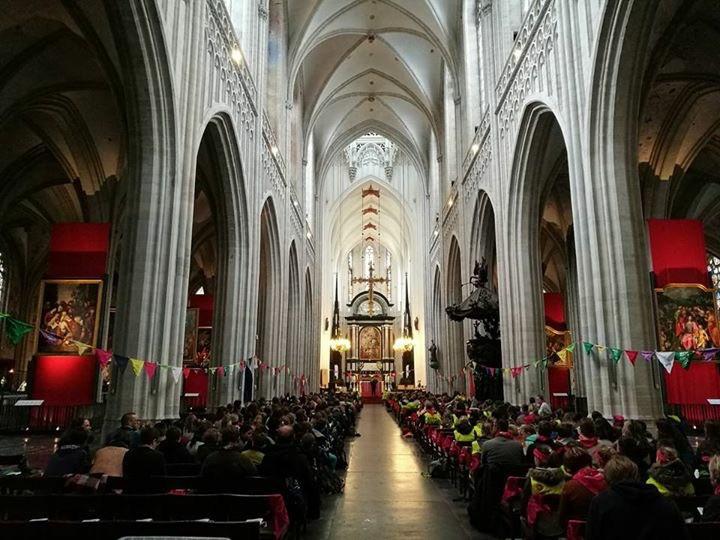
386	496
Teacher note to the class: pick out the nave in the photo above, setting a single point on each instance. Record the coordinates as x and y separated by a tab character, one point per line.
387	494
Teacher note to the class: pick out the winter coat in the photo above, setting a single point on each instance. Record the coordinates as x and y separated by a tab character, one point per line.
671	479
633	510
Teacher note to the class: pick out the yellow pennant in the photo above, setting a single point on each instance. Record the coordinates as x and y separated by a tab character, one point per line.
562	355
137	365
83	348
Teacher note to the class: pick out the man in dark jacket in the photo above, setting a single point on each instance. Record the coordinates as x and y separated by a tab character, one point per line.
143	462
503	449
71	456
631	509
173	450
224	469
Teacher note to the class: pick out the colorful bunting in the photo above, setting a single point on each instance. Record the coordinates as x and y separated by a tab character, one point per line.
103	357
684	358
121	362
150	368
186	372
588	347
15	330
221	371
709	354
632	356
615	354
137	365
175	372
571	347
50	338
562	355
83	348
667	359
647	355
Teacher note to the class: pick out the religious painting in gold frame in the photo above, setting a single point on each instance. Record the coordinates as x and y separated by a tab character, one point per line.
686	318
555	341
68	311
370	340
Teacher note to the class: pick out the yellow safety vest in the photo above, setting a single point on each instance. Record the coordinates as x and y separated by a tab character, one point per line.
433	419
459	437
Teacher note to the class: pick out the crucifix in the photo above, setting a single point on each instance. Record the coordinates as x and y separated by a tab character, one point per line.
371	281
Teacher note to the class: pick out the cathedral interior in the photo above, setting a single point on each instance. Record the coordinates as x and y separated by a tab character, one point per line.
214	201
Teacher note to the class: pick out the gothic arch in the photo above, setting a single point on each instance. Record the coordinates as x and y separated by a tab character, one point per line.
269	289
220	178
293	354
482	235
455	334
438	325
310	353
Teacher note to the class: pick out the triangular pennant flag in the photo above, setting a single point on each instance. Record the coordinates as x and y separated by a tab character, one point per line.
600	348
82	348
103	357
212	370
120	361
150	368
615	354
562	355
647	355
588	347
186	372
516	371
50	338
667	359
632	356
221	371
684	358
709	354
175	372
15	330
137	365
571	347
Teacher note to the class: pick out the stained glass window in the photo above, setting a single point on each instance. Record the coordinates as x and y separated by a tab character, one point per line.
369	259
714	269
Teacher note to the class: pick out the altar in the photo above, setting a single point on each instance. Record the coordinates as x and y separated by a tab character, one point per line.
366	389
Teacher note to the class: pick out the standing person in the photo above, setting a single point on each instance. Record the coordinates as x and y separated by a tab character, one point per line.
631	509
373	386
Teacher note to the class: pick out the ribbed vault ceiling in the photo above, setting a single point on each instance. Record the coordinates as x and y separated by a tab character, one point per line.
375	63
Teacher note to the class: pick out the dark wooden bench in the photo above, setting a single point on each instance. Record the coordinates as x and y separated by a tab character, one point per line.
111	530
162	507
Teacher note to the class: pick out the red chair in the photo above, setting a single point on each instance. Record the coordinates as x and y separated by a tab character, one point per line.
576	530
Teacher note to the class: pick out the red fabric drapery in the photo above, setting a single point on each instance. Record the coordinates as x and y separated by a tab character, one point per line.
554	311
678	251
196	383
559	383
78	250
205	303
64	380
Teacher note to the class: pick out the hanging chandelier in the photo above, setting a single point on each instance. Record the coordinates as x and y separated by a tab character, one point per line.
340	344
404	343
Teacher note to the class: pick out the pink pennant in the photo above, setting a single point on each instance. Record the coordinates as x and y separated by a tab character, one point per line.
103	357
515	371
186	372
242	364
150	368
221	371
632	356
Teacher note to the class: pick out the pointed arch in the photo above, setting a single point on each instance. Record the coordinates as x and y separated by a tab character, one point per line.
269	287
293	354
455	339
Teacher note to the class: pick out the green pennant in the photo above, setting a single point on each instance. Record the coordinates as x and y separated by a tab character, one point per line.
684	358
571	347
615	354
16	329
588	347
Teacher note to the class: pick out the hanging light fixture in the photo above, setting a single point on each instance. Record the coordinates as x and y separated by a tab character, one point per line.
405	343
338	343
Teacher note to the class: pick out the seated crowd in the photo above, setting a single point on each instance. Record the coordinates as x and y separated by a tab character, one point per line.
620	478
297	441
